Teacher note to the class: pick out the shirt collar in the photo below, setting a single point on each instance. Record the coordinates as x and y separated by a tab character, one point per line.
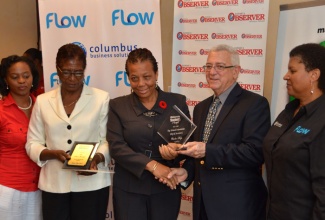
9	100
140	109
226	93
309	108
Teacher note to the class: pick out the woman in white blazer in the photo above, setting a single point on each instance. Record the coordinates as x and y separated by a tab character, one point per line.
72	112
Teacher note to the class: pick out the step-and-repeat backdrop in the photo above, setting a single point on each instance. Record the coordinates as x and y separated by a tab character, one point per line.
107	31
202	24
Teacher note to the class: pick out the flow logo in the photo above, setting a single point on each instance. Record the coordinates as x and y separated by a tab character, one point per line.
132	18
54	78
65	21
301	130
119	78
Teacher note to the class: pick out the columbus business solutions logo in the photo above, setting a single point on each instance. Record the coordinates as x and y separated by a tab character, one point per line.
119	50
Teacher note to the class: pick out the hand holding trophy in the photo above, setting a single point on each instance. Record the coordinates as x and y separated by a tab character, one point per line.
175	130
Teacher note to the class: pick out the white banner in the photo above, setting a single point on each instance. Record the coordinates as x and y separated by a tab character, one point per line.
299	23
107	31
202	24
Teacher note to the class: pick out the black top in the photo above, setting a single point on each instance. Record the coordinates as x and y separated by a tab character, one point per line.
294	151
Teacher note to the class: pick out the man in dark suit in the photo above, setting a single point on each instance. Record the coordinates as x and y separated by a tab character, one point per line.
225	159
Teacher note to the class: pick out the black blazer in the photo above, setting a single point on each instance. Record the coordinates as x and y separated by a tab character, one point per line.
133	139
229	179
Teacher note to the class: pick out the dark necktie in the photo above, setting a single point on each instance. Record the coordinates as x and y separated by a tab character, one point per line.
210	119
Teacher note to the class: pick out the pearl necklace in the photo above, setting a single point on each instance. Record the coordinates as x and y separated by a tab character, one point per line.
30	104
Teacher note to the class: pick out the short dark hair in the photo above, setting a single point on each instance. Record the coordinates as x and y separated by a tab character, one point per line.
140	55
313	57
34	54
69	52
6	63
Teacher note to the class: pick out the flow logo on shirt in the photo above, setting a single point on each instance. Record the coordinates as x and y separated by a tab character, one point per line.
301	130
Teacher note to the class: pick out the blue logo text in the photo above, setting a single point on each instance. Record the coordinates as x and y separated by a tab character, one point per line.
301	130
55	79
132	18
121	75
65	21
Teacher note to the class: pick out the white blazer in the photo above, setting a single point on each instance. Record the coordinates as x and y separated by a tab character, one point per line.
51	128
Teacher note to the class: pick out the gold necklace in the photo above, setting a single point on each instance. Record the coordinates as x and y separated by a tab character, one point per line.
71	103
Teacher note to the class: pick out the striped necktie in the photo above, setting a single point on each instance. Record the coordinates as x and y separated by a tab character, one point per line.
210	119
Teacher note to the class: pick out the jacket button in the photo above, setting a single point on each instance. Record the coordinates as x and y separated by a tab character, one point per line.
202	162
69	127
149	125
198	183
69	141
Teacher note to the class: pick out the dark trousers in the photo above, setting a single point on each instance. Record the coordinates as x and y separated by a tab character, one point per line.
203	213
90	205
133	206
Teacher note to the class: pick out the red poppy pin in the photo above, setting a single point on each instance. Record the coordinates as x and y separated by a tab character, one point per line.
163	104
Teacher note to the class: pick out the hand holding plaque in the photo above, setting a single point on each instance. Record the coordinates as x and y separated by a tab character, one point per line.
82	154
177	127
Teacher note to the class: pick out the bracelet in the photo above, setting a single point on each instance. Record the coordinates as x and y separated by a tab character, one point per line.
102	158
154	167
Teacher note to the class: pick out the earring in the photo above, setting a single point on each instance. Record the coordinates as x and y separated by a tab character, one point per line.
312	88
7	87
32	85
156	84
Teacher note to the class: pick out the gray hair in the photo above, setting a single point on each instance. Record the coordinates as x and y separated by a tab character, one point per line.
233	53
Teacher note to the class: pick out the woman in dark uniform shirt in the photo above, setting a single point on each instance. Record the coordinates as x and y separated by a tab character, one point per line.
132	127
294	147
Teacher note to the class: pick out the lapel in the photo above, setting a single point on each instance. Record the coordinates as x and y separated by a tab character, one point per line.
57	105
230	102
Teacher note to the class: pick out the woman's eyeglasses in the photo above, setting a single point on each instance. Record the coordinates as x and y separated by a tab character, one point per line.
67	73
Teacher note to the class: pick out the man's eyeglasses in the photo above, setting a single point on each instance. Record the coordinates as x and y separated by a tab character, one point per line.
67	73
207	68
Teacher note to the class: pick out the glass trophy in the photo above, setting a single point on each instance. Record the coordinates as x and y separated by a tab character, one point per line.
177	127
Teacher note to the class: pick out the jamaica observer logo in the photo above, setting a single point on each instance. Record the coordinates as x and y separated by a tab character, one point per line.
187	4
246	17
253	1
228	2
190	36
